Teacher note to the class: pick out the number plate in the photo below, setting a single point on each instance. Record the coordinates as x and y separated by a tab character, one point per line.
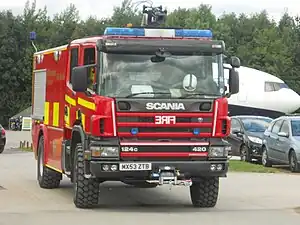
135	166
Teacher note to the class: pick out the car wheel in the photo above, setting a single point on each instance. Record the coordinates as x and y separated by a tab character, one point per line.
245	154
293	162
1	149
265	159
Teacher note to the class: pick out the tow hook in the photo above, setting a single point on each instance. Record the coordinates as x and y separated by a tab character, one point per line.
169	175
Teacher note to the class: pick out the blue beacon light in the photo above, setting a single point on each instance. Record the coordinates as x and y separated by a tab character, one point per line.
141	32
196	131
134	131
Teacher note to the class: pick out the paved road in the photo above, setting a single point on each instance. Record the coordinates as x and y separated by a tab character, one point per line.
244	199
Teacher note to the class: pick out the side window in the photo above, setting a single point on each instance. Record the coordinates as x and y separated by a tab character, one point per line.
235	124
285	127
276	127
89	57
74	61
270	127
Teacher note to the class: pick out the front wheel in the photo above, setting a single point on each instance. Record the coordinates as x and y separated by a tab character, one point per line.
86	190
265	161
293	162
245	154
204	192
1	149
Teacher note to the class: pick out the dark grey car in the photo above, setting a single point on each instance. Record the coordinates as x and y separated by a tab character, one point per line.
281	143
246	136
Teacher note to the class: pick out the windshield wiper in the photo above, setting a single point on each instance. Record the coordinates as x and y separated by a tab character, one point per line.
205	95
147	93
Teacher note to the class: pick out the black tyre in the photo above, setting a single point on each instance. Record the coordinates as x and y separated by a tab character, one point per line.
86	190
1	149
293	162
245	154
204	192
265	161
47	178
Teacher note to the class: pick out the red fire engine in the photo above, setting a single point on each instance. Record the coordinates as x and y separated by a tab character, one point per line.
145	106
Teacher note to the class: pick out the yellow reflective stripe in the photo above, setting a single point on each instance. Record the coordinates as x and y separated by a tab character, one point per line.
46	113
83	120
70	100
53	168
67	117
86	104
55	114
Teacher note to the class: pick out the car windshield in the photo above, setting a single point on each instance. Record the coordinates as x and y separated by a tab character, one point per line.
256	124
126	75
295	124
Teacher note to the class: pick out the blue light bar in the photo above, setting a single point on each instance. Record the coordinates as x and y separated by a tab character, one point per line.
125	31
193	33
144	32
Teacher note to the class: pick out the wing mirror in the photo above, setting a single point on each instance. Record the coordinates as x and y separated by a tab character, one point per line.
283	134
81	77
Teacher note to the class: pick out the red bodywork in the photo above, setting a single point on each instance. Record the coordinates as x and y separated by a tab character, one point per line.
57	127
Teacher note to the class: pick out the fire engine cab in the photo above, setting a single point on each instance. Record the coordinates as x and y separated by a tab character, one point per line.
141	105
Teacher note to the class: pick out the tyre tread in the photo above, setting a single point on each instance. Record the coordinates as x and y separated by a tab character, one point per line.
204	194
87	189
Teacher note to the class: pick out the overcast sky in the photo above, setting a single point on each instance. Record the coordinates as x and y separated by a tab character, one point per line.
103	8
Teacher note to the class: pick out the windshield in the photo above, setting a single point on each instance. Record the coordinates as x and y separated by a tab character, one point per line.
124	75
295	127
255	125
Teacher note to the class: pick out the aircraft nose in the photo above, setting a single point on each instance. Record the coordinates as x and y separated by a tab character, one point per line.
292	101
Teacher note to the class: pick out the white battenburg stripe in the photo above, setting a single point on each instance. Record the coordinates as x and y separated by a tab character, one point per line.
160	33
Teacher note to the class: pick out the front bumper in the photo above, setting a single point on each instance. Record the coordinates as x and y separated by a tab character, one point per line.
255	150
188	169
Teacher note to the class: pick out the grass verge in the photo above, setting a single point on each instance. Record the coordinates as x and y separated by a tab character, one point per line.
26	149
239	166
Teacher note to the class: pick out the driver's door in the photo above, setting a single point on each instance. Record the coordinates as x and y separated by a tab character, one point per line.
235	139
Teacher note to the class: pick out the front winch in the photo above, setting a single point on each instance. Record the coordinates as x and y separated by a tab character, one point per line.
169	175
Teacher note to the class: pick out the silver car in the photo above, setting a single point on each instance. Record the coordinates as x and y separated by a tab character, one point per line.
281	143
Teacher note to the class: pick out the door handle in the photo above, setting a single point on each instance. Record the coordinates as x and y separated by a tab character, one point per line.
66	110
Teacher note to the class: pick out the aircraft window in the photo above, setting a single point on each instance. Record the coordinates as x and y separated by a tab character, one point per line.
276	127
274	86
269	86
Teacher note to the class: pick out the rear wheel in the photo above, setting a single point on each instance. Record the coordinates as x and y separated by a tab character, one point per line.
47	178
204	192
86	190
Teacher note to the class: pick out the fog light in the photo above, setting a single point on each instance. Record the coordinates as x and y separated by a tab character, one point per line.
196	131
219	167
134	131
212	167
113	167
105	167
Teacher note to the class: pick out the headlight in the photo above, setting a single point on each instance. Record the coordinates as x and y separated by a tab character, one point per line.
255	140
105	152
219	151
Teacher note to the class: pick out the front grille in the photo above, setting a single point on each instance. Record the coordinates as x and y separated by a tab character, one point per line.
146	127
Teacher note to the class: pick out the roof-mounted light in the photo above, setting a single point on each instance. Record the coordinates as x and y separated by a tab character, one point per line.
144	32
